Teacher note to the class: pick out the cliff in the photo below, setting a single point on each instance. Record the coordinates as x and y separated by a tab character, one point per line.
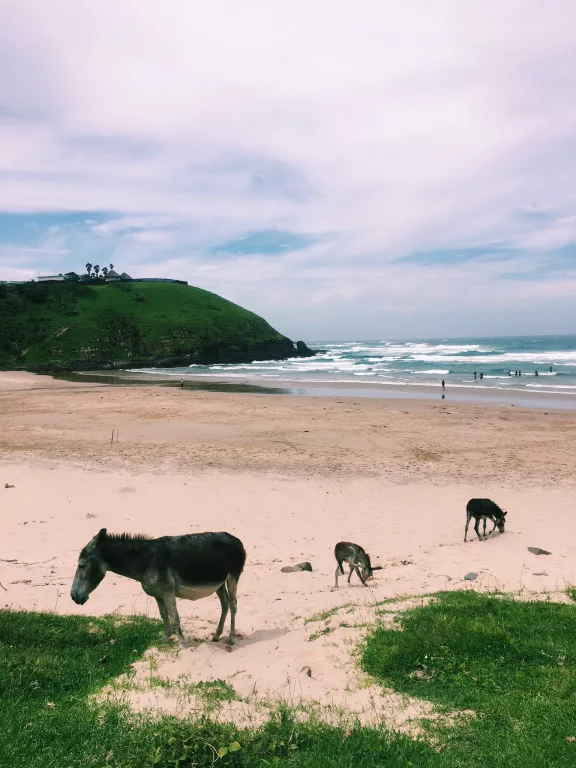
80	326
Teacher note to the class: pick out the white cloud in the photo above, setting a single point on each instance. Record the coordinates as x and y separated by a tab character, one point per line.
384	128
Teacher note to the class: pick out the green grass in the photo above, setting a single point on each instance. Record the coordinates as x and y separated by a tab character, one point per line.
512	662
49	666
59	324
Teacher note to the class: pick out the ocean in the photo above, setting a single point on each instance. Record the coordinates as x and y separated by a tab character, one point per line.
547	365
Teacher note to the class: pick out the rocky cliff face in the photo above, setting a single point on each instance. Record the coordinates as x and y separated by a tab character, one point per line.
283	349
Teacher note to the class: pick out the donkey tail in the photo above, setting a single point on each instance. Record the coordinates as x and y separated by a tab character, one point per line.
237	558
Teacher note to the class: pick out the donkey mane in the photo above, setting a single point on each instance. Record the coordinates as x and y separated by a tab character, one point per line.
126	538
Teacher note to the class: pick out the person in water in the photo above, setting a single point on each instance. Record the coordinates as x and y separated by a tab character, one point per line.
181	383
475	374
481	375
535	373
443	384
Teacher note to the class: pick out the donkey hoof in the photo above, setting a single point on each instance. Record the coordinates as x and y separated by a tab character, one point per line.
216	638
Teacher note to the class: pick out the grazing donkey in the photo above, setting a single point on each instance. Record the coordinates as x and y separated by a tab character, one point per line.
192	567
357	559
484	509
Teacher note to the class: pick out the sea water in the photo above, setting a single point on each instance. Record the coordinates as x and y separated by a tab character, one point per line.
547	365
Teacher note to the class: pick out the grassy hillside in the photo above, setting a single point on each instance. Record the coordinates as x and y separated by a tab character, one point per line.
78	325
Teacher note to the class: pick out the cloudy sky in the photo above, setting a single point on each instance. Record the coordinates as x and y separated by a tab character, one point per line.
345	169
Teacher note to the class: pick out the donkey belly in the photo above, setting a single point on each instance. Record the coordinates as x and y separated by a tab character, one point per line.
197	593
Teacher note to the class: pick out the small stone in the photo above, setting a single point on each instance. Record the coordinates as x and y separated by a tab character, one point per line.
471	576
307	670
538	551
295	568
570	739
7	485
540	573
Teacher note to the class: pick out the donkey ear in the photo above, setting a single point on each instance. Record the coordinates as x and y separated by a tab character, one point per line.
505	513
97	540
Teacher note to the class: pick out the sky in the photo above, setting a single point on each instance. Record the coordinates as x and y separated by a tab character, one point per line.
347	170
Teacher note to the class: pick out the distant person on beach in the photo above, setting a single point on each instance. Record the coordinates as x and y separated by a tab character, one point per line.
509	373
443	384
550	369
481	375
535	373
475	374
519	373
181	383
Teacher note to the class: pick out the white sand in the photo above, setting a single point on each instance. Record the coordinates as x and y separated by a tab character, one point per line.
70	482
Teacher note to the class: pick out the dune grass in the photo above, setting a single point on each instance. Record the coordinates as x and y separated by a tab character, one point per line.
49	666
509	666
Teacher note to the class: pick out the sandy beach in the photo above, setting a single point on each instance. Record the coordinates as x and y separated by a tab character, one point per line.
290	477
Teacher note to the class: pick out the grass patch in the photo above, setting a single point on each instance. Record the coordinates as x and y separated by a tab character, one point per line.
512	663
571	592
215	690
325	615
320	633
49	666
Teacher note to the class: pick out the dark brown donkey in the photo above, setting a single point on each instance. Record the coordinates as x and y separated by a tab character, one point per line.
191	567
357	559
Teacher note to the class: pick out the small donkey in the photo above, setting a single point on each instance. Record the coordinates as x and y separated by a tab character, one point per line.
191	567
484	509
357	559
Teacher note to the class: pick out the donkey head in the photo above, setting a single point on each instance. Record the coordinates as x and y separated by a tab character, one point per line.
500	521
366	566
91	569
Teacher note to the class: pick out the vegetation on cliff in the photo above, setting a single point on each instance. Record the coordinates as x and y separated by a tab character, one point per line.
76	325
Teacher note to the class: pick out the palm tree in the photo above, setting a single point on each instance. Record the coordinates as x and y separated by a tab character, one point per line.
111	266
96	269
104	271
88	268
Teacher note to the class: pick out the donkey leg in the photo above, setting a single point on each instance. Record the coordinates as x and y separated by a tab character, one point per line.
174	618
351	572
164	617
360	576
477	529
337	574
232	589
484	527
222	593
468	518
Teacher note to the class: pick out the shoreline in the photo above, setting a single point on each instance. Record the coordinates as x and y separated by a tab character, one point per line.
479	395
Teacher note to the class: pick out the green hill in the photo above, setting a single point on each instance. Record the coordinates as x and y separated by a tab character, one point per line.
78	325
